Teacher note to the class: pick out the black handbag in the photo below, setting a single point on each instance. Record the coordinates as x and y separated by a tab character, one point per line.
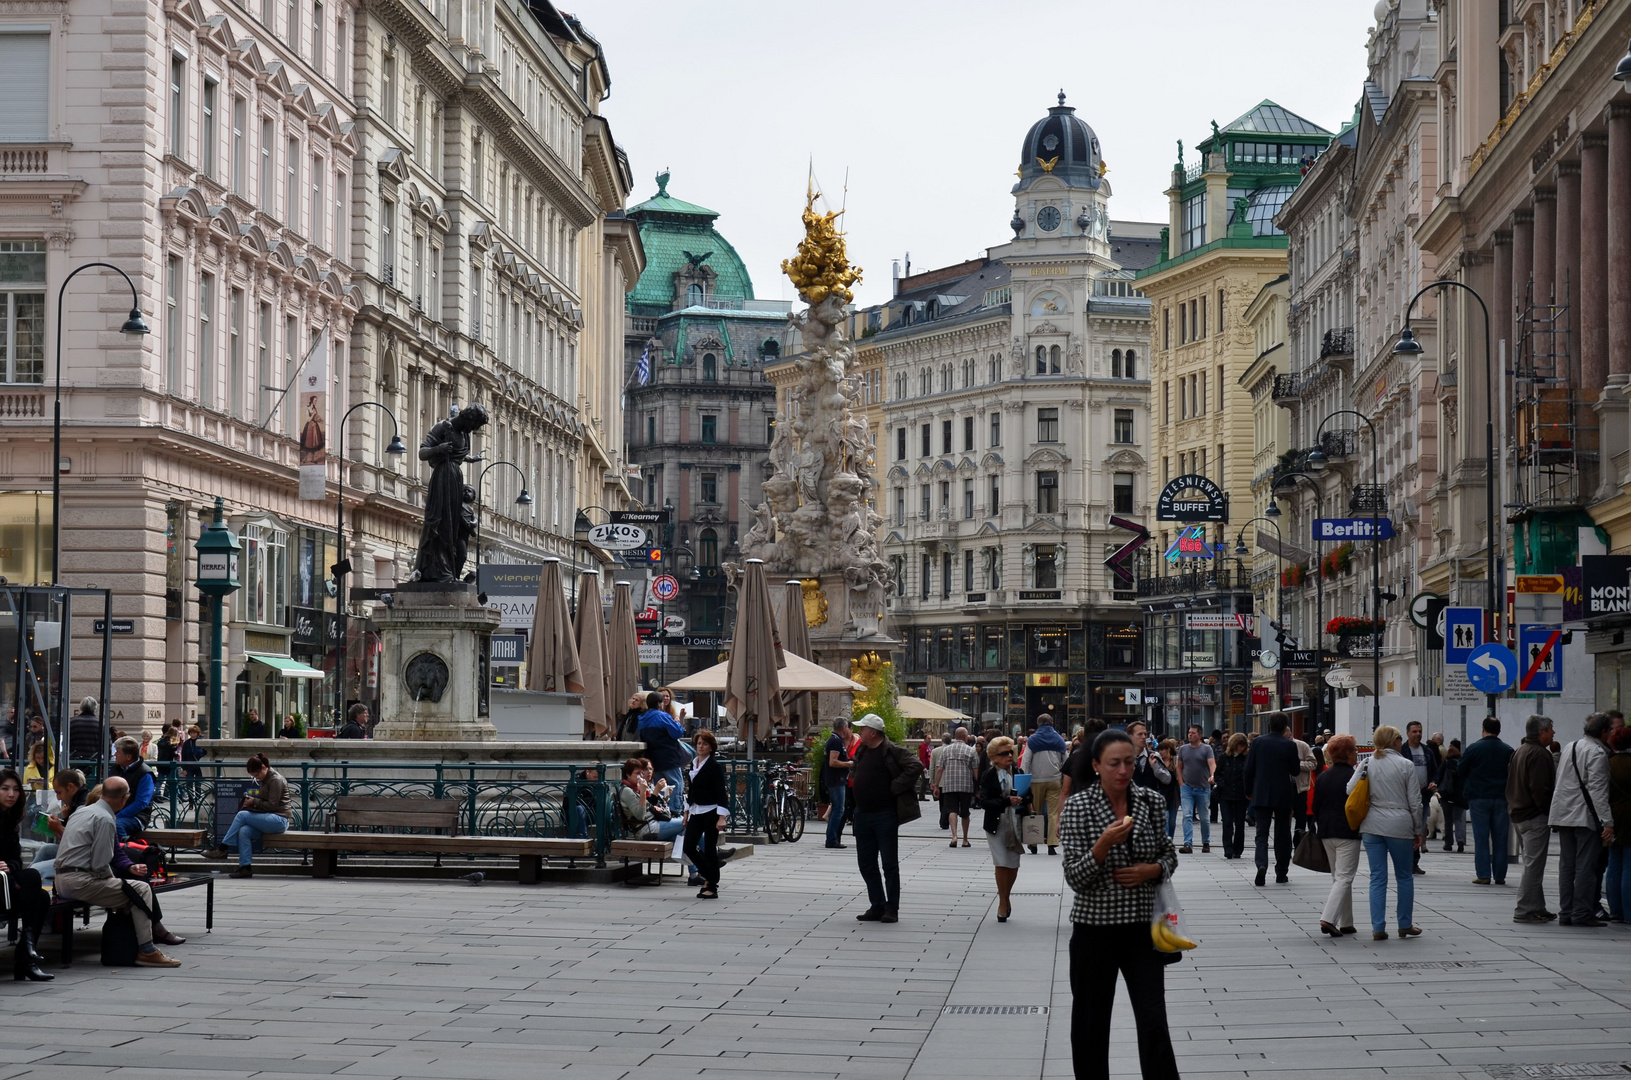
119	940
1310	854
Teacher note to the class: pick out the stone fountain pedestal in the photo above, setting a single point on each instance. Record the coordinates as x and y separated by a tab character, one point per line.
854	626
434	675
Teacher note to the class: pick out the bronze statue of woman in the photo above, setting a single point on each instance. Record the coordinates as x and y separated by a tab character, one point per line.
444	540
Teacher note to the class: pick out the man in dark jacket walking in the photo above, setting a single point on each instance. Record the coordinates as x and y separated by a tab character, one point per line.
885	787
1483	771
1272	765
85	733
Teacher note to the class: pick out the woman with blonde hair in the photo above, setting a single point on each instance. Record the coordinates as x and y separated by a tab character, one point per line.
1002	806
1392	830
1341	842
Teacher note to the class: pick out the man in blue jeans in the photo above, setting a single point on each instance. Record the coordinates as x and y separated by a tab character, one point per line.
1196	766
1483	772
836	776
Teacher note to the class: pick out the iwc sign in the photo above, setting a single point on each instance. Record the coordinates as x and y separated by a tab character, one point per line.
1192	498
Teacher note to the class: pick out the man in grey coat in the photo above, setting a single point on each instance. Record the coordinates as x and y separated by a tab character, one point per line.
1580	817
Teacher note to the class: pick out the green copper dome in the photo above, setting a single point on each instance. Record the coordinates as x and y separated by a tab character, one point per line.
680	239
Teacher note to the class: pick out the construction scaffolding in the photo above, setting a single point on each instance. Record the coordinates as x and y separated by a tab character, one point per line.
1554	443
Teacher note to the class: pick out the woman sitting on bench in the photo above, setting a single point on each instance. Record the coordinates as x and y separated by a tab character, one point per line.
266	812
635	806
20	890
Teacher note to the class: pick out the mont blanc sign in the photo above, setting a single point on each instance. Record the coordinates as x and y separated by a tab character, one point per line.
1192	497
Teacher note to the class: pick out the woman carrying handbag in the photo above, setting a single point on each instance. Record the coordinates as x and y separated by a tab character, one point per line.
1003	807
1116	853
1339	840
1391	829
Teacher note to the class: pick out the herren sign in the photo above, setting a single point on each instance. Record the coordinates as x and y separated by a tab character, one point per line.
1192	497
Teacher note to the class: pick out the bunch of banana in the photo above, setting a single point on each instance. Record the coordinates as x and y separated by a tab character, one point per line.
1168	939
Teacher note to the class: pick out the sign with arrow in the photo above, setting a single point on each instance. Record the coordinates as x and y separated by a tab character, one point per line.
1119	559
1421	609
1540	650
1492	668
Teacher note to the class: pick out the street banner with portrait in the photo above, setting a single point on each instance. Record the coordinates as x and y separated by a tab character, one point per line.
311	396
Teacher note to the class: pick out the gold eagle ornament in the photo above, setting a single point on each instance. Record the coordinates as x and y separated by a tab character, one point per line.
1047	166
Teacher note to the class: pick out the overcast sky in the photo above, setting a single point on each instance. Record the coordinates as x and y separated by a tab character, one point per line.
926	104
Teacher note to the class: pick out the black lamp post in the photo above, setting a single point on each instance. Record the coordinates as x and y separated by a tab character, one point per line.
1409	346
523	499
1622	70
342	563
1273	511
1279	590
1317	463
133	327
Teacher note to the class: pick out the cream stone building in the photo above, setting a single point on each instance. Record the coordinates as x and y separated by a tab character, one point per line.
420	192
1015	427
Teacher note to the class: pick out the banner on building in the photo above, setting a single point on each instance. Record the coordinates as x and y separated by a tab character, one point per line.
311	395
1605	585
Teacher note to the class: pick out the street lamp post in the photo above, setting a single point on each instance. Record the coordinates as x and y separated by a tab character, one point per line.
1409	346
133	327
1316	705
1317	462
217	550
523	499
342	563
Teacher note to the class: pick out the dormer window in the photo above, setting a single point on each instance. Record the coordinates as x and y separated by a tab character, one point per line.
693	296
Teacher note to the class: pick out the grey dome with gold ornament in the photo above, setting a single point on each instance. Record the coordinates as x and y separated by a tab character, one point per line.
1062	146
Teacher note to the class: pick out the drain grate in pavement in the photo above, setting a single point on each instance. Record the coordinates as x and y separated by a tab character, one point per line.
1434	965
994	1010
1016	892
1524	1072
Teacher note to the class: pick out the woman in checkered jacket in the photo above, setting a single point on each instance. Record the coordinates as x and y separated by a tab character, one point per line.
1117	852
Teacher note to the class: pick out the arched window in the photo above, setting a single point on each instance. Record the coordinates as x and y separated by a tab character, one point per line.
1115	364
693	296
771	349
1130	367
1041	359
1053	360
708	548
710	367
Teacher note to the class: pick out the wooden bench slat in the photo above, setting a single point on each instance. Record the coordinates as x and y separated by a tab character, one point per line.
178	838
445	845
401	803
397	821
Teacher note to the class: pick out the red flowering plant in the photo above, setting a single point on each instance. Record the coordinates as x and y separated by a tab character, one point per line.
1337	560
1346	626
1293	576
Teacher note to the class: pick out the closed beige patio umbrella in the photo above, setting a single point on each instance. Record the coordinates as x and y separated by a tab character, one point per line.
589	634
552	655
796	640
623	651
752	687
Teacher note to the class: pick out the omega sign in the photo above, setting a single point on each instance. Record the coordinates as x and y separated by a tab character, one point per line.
1192	498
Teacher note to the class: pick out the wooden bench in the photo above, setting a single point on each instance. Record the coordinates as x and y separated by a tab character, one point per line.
70	909
646	852
175	838
367	812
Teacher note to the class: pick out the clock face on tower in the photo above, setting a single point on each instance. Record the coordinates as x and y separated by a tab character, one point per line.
1047	218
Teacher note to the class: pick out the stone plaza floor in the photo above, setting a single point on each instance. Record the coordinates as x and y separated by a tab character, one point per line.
368	977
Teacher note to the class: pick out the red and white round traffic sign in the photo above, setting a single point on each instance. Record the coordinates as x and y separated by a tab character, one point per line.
664	587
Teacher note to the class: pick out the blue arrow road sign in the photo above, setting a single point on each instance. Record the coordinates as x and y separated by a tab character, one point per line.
1492	668
1540	659
1463	632
1351	528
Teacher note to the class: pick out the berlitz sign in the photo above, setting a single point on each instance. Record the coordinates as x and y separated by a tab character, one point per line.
1192	497
1351	529
1605	585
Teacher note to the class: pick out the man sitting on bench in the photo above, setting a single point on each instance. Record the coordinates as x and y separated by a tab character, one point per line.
85	873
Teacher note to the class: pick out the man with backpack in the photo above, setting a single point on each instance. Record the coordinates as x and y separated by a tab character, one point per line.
1581	818
84	867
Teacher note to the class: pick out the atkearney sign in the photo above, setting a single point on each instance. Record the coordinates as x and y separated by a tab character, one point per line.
1209	504
1351	529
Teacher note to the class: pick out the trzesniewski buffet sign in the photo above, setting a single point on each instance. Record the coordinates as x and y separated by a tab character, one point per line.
1192	498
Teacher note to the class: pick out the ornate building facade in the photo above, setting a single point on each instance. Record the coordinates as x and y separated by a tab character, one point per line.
1015	427
698	425
279	179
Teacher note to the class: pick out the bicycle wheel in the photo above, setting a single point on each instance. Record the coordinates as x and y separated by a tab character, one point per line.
793	818
773	825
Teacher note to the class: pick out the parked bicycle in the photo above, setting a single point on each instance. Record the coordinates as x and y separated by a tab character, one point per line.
784	810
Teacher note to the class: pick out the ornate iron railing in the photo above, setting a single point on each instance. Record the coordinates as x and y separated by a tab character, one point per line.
1337	342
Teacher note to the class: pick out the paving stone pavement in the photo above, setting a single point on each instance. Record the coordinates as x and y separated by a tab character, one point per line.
418	979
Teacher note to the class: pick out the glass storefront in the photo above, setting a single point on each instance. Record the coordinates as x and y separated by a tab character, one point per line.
25	537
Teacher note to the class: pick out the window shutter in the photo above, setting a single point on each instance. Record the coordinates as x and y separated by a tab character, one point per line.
24	86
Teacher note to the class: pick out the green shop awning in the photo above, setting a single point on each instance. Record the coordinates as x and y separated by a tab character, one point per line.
289	669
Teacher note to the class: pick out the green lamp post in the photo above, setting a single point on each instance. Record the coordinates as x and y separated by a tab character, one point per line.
217	549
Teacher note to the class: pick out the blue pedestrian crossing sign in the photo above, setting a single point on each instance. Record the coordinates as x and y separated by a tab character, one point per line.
1492	668
1463	632
1540	659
